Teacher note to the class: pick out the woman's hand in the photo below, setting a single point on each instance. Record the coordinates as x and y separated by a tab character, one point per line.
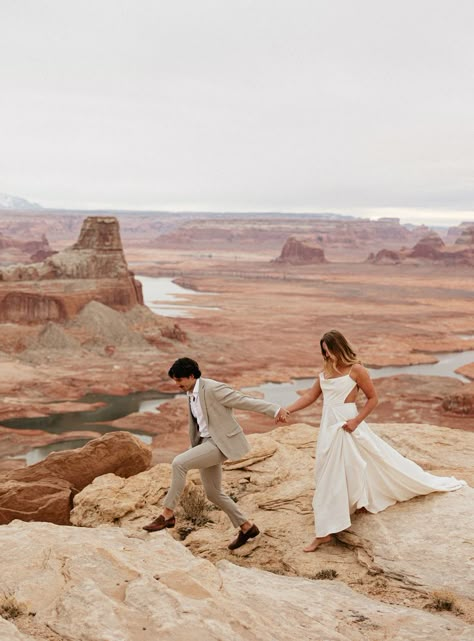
350	425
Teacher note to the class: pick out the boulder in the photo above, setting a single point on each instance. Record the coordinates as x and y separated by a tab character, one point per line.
44	491
47	499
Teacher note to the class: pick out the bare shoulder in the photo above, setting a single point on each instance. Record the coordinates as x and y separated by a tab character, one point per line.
358	370
318	378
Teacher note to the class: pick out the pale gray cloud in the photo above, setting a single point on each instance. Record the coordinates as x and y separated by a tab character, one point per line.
239	105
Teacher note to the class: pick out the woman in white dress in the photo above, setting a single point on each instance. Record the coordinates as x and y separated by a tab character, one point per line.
355	469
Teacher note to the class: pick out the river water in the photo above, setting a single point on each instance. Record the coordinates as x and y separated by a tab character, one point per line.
285	393
166	298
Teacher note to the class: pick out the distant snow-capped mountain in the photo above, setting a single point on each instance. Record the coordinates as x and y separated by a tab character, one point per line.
14	202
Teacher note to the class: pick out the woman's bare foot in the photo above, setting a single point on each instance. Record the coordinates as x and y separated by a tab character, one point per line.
360	510
317	542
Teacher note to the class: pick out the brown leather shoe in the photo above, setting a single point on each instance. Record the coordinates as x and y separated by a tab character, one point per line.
160	523
243	537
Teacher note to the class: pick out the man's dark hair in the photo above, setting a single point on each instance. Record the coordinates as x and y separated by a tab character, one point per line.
183	368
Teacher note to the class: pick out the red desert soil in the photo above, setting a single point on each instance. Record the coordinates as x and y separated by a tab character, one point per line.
267	327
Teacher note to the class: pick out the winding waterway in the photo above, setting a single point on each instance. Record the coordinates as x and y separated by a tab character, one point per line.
165	297
159	295
95	420
115	407
286	393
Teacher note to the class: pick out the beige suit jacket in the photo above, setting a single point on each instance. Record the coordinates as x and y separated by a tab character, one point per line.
217	401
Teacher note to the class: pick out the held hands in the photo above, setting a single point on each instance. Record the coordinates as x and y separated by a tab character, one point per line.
350	425
282	416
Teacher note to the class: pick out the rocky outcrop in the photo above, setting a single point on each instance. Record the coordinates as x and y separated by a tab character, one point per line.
109	584
455	232
274	485
432	247
13	250
56	289
385	257
429	246
300	252
466	237
44	491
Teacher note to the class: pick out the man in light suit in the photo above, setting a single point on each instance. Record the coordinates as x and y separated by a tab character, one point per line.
215	436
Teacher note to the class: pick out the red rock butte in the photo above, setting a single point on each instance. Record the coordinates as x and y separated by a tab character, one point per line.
94	268
301	252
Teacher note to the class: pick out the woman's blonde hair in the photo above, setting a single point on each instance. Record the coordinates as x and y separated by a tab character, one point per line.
340	348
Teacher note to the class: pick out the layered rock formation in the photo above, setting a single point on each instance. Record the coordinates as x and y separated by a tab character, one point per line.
433	249
455	232
14	250
109	584
56	289
274	485
44	491
430	246
111	580
466	237
301	252
246	233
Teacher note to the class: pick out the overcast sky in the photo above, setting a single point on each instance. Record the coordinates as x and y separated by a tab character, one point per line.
363	107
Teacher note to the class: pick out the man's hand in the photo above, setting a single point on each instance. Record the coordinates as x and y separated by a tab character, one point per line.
282	416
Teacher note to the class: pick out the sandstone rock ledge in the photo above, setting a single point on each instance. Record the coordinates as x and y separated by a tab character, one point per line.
400	556
103	584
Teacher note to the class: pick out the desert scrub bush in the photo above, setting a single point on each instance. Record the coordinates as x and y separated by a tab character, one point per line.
195	506
10	608
328	574
443	600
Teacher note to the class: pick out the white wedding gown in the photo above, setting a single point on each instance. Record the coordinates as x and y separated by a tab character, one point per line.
358	469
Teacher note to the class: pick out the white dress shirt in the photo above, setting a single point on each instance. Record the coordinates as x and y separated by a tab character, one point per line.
197	412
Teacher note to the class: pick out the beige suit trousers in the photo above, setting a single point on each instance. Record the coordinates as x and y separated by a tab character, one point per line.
207	458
